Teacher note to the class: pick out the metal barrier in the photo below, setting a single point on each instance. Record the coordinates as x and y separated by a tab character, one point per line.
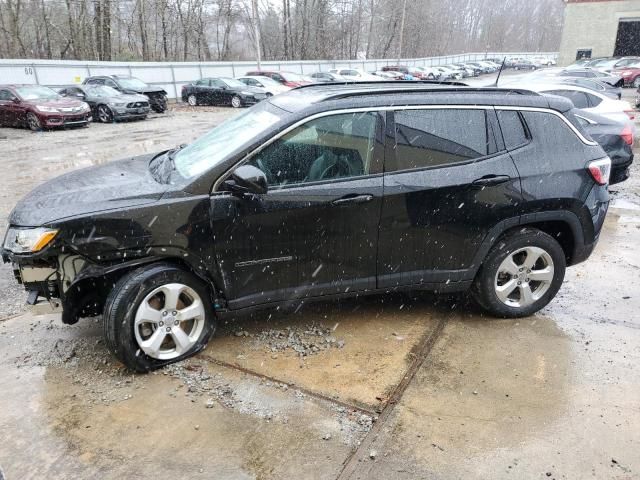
173	75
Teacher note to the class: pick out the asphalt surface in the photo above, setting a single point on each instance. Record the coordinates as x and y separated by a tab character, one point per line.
399	386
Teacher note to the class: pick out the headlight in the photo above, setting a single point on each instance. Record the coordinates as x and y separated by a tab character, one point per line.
118	104
85	107
28	240
43	108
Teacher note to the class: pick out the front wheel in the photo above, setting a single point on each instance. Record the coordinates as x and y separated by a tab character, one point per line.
521	274
160	105
236	102
104	114
156	315
33	122
192	100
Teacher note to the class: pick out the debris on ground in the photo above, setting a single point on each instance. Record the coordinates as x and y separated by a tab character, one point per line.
305	341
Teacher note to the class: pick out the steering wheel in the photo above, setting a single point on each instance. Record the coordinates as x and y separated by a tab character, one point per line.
341	168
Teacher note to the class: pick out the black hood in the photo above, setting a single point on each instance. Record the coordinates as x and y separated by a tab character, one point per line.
123	183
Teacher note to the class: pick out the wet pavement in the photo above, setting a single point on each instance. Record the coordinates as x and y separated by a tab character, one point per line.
399	386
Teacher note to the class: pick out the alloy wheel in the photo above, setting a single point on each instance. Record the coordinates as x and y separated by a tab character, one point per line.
103	114
191	100
524	277
169	321
236	102
34	123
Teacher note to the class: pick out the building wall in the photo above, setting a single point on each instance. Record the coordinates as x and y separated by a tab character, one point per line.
593	24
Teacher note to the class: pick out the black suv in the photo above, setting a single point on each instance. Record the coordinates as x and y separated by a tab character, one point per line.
325	191
126	84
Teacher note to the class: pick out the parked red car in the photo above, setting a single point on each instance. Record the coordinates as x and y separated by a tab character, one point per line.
38	107
629	74
289	79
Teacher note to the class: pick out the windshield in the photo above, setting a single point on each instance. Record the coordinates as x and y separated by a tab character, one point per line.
232	82
132	83
37	93
212	148
101	91
267	81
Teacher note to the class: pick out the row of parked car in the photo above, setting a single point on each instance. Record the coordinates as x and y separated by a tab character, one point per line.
597	95
105	98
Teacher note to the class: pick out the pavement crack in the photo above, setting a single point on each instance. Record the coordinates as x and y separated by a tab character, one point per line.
419	354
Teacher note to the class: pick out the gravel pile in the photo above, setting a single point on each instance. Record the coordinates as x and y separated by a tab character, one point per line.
305	341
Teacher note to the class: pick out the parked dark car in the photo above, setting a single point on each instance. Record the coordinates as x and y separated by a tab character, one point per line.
288	79
524	64
611	79
320	192
222	91
37	107
126	84
592	84
107	104
616	140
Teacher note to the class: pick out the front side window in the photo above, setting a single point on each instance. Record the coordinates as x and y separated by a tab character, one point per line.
327	148
437	137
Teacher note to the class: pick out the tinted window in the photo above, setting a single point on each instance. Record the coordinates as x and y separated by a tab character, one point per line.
332	147
513	130
218	83
202	82
429	138
594	101
579	99
5	95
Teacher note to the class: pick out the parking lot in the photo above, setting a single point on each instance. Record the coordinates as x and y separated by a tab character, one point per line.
394	386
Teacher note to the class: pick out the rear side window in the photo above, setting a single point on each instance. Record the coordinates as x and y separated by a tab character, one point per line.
438	137
594	101
513	131
579	99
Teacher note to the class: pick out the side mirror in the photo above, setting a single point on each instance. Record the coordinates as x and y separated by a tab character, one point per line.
247	179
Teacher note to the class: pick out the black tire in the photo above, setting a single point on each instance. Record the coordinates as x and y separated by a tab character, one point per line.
33	122
160	105
192	100
124	300
104	114
484	286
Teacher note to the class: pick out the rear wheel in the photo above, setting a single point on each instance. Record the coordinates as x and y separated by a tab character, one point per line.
192	100
33	122
104	114
521	274
236	102
156	315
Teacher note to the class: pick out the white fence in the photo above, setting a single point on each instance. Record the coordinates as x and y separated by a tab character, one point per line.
172	76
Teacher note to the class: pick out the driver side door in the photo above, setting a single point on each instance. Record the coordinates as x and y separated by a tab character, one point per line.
315	231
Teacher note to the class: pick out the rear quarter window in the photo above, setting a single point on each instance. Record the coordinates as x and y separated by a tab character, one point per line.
514	132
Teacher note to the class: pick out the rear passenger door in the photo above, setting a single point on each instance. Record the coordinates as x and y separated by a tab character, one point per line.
448	182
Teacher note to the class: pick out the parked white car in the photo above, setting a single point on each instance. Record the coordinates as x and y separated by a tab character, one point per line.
271	86
355	75
543	61
586	99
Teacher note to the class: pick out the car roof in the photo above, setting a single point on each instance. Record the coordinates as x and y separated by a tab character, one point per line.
536	87
331	96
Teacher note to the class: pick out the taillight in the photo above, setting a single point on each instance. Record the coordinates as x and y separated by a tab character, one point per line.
600	170
631	114
627	135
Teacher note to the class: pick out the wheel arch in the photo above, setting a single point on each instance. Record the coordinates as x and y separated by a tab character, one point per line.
564	226
87	294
